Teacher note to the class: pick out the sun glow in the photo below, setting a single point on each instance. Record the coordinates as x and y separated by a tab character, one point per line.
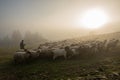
94	18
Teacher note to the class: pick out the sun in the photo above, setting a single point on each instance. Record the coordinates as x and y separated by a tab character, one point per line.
94	18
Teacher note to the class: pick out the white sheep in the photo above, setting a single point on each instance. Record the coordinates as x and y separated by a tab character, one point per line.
59	52
75	52
34	54
21	56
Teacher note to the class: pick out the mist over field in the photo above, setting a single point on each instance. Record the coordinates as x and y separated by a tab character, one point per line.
59	39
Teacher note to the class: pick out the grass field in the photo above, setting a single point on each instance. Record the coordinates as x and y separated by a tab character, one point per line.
90	68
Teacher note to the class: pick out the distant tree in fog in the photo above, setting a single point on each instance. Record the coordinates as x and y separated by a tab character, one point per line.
28	37
33	37
16	37
6	41
38	38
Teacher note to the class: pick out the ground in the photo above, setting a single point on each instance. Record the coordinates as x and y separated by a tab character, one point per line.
88	68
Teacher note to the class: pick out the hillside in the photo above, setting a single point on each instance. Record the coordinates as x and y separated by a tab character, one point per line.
100	37
99	67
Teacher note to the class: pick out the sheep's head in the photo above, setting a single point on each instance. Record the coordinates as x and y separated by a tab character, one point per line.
25	50
38	50
67	48
28	52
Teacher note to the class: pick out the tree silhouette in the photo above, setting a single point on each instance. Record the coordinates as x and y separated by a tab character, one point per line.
16	37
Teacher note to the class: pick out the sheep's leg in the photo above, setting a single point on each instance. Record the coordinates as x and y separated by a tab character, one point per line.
15	61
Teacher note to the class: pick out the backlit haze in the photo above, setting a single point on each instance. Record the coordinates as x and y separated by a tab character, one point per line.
59	19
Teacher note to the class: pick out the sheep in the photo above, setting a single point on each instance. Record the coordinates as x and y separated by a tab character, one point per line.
70	52
75	51
34	54
21	56
59	52
45	53
24	55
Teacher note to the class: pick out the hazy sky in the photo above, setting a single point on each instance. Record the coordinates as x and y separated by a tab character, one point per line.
54	19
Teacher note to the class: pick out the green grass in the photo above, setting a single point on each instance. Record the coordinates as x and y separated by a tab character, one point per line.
58	69
50	70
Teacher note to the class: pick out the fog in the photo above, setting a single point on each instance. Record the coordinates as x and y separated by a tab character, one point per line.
54	19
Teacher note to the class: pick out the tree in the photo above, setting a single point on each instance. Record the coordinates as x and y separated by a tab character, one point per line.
6	41
28	37
16	37
33	38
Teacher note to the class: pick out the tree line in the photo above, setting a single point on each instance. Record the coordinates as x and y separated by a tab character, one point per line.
16	36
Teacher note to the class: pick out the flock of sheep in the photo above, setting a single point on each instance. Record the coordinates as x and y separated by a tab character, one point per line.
66	50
